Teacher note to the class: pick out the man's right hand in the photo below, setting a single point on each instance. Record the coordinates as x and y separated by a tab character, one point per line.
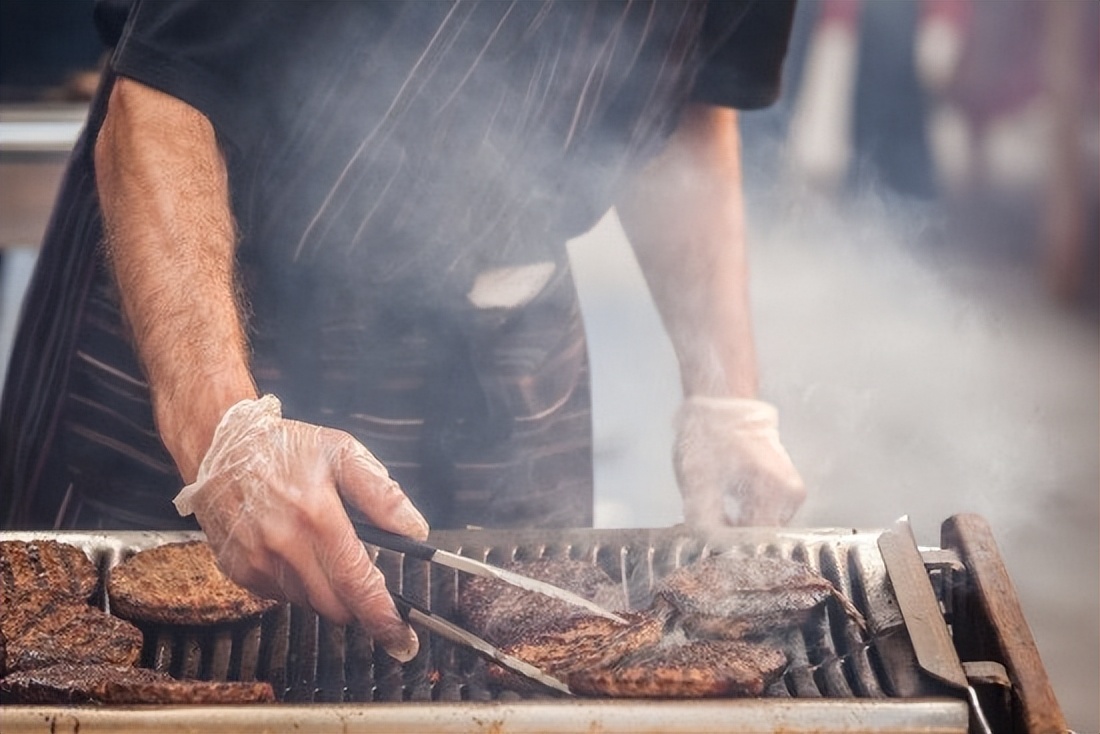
269	495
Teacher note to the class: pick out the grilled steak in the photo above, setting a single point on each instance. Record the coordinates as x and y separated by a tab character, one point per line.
179	583
562	646
45	565
115	684
41	627
733	596
554	635
504	614
694	669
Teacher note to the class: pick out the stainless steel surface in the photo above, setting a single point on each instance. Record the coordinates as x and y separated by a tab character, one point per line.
840	677
606	717
919	607
40	128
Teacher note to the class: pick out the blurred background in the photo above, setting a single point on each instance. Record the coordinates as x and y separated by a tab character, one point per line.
925	252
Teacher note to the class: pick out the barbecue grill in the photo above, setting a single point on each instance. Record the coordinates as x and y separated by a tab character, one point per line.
946	647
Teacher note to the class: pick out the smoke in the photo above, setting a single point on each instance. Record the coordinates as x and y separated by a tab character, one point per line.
915	374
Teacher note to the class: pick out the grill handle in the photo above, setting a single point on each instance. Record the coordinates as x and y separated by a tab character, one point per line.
990	593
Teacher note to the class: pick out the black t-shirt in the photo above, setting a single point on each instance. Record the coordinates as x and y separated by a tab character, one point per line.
405	148
381	155
441	137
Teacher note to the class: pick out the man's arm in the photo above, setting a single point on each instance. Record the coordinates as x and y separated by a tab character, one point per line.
684	217
164	193
268	492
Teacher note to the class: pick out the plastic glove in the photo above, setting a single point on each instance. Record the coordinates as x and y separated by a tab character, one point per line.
730	466
268	496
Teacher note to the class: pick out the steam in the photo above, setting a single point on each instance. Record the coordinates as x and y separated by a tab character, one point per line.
914	375
910	378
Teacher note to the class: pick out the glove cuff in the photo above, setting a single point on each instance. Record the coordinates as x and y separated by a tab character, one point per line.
250	412
734	413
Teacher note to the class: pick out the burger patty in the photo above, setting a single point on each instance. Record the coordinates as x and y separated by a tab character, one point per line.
692	669
41	627
179	583
46	565
120	684
734	596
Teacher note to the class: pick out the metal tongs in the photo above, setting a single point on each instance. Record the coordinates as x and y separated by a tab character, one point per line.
414	613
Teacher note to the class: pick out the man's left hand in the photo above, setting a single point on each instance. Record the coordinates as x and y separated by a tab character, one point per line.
730	466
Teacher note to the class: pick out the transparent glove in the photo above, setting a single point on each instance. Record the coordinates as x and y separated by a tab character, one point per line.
730	466
269	497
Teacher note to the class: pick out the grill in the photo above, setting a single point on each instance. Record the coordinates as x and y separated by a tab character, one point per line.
946	647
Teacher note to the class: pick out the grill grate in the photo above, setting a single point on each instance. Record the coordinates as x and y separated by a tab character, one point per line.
309	660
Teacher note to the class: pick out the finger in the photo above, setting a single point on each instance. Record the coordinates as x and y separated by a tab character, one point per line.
298	572
365	483
362	588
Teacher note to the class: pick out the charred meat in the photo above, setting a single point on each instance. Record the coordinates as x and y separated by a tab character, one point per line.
684	669
734	596
119	684
41	627
45	565
179	583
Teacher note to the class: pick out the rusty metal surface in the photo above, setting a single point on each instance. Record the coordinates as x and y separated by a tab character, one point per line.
994	626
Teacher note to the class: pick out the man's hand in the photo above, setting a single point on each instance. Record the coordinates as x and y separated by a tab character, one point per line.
730	466
684	216
269	497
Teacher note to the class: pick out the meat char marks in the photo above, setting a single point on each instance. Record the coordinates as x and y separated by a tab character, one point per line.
42	628
554	635
684	669
45	565
121	684
716	627
734	596
45	617
179	583
56	648
504	614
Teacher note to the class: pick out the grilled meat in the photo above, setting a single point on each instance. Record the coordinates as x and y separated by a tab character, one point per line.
45	565
734	596
563	646
119	684
692	669
41	627
504	614
179	583
553	635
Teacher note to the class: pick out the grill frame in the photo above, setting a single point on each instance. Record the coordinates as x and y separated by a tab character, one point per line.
310	656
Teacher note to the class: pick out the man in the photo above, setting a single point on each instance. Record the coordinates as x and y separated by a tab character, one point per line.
361	209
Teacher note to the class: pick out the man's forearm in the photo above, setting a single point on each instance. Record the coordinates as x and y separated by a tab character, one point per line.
163	189
684	218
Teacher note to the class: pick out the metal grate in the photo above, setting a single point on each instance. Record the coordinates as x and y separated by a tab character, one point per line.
309	660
